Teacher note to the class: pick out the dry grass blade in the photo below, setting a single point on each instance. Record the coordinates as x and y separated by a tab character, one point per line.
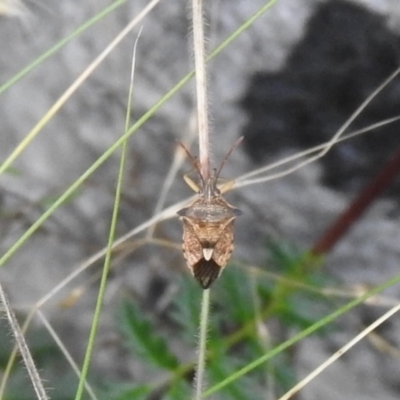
23	348
65	352
245	180
340	352
72	89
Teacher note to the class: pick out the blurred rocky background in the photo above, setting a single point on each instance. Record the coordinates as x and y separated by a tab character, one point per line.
286	83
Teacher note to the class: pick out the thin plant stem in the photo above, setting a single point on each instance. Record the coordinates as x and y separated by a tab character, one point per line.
41	302
365	198
146	116
65	352
336	137
76	84
245	181
98	17
340	352
96	317
301	335
107	261
201	361
99	302
165	214
23	348
7	371
204	156
162	215
168	180
353	116
201	87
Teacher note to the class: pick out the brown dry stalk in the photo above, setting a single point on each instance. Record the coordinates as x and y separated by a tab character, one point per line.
379	183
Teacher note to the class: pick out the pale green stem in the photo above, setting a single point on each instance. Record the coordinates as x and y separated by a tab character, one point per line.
111	237
99	303
78	182
60	44
201	360
301	335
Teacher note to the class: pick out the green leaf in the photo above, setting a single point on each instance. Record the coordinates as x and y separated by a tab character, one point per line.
284	256
179	390
144	339
236	296
302	310
186	309
243	389
128	392
284	373
48	201
13	171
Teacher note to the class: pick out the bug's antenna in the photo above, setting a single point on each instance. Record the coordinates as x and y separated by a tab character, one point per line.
192	159
236	144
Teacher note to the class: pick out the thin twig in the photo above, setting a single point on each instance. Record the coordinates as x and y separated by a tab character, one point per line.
23	348
59	45
107	261
245	181
301	335
383	179
201	87
204	156
169	213
340	352
75	85
170	177
65	352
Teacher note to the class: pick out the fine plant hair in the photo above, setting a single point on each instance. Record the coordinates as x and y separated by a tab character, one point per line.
204	163
124	243
201	87
23	347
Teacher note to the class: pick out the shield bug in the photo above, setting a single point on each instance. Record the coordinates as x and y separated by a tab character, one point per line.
208	225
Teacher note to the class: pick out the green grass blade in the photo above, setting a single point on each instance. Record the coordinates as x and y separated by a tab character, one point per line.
313	328
137	392
106	268
60	44
144	339
186	309
146	116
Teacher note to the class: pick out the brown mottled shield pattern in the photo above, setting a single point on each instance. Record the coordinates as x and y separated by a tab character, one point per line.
208	235
208	225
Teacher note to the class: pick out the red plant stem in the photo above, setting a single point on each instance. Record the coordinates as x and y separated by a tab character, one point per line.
367	196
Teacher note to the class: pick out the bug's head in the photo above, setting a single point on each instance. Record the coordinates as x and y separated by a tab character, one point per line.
207	186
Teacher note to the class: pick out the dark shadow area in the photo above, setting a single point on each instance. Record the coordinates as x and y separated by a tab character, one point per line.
346	52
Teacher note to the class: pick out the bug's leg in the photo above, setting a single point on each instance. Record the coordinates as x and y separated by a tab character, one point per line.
191	183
